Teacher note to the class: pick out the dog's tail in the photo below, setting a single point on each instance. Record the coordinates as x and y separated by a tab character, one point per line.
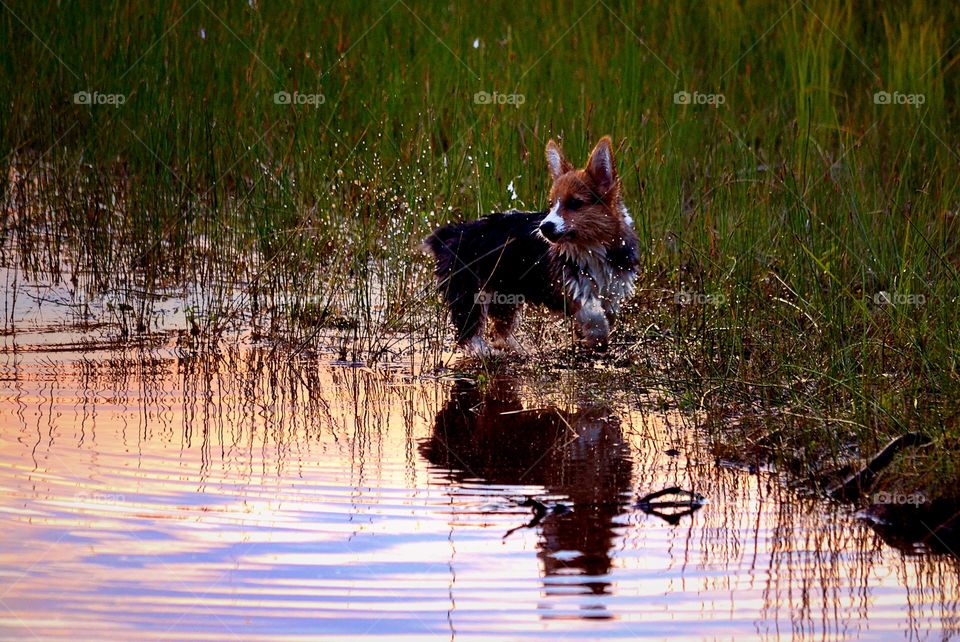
442	245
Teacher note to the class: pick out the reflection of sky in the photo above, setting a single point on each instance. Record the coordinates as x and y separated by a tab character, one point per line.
242	502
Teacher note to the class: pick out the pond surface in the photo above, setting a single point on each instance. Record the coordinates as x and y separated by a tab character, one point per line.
154	494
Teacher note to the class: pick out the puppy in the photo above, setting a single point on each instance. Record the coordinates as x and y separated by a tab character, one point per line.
578	258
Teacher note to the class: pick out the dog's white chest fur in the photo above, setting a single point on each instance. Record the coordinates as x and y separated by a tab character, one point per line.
592	276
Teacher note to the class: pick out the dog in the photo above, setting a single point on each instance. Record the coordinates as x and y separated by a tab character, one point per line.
578	258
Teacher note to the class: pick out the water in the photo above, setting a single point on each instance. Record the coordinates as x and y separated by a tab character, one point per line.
149	493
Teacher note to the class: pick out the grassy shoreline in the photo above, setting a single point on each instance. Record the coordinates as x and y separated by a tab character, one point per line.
792	174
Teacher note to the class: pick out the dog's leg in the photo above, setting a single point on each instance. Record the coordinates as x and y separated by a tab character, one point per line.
610	310
505	319
594	327
620	289
468	310
469	318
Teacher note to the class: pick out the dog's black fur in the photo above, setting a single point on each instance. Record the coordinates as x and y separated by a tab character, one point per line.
501	253
504	253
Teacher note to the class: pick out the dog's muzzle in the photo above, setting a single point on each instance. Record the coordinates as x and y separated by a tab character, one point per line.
549	230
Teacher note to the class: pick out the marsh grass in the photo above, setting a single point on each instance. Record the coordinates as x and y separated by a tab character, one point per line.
800	199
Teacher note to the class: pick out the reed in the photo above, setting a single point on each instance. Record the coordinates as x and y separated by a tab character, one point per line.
275	167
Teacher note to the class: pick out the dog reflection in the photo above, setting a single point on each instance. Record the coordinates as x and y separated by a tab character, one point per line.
488	436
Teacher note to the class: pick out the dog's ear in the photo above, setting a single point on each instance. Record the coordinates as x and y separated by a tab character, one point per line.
556	162
600	166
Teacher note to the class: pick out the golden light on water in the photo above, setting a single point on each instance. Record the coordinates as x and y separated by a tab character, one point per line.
148	496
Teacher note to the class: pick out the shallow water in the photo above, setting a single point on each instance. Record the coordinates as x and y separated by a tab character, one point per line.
155	494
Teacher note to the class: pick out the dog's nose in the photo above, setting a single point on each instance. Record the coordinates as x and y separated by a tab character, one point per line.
549	229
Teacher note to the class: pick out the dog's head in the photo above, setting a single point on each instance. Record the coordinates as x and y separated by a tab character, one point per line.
586	208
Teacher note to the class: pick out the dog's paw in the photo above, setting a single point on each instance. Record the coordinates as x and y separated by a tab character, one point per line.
508	343
480	349
595	334
596	341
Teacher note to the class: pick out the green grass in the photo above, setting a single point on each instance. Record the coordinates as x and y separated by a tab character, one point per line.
799	199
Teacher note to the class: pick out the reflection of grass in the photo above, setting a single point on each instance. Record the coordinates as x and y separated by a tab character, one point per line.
799	199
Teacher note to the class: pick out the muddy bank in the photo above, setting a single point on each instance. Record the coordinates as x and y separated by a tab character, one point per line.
882	485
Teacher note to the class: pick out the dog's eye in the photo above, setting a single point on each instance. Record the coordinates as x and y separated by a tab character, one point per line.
573	204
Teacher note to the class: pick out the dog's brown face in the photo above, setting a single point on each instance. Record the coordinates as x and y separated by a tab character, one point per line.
585	204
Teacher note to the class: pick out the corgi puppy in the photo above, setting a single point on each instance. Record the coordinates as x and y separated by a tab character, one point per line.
577	258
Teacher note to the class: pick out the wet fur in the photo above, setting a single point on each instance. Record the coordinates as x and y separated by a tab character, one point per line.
578	258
